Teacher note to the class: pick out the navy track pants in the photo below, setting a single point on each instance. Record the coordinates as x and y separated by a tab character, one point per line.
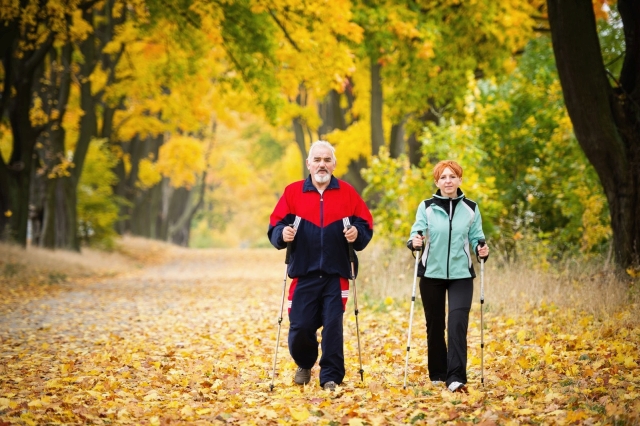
317	301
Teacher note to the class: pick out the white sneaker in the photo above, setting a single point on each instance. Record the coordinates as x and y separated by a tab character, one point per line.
437	382
456	387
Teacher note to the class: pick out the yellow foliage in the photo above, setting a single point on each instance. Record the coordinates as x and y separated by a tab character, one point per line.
61	168
6	142
148	175
351	144
79	29
37	116
98	79
10	10
181	159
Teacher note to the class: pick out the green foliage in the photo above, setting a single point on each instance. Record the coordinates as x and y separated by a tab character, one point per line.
611	35
538	194
397	189
98	208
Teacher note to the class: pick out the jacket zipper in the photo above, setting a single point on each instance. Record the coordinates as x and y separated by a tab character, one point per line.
321	228
450	229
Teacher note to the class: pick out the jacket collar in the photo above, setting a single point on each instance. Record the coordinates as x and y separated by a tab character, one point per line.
308	184
439	195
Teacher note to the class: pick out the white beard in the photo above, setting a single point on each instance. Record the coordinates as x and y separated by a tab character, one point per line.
322	178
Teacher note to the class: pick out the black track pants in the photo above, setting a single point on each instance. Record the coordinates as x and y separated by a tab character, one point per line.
447	366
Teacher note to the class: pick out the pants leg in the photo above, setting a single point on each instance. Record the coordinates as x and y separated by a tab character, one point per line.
305	317
433	293
332	360
460	298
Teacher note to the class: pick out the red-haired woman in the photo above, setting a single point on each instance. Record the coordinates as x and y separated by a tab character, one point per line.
449	222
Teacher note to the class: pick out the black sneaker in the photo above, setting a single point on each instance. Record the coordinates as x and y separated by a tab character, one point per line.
329	386
303	376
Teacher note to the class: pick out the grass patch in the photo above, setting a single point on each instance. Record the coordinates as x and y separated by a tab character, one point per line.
589	287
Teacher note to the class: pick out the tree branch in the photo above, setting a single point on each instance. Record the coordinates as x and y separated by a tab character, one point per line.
284	30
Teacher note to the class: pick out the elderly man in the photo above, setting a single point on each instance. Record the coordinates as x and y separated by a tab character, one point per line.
319	264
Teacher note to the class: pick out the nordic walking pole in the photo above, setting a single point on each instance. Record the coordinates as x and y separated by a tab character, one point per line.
481	243
413	299
284	287
355	303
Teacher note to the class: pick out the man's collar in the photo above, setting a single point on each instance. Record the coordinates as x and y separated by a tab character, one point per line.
308	184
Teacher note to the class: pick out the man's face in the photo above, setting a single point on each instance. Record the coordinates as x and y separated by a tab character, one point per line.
321	164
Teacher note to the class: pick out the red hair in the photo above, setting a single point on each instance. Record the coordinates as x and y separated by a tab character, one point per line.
439	168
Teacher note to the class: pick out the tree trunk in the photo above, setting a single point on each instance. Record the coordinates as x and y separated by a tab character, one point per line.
415	153
353	175
298	131
15	175
57	230
331	114
377	133
299	127
606	120
396	139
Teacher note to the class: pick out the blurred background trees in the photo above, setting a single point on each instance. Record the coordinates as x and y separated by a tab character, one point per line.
184	121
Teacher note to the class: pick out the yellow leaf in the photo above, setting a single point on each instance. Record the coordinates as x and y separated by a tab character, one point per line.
154	421
576	416
355	422
388	301
203	411
36	403
186	411
629	362
8	213
299	414
26	417
523	363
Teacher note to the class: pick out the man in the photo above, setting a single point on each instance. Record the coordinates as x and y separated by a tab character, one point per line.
319	263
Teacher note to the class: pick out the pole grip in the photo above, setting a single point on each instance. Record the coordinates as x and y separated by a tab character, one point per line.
481	243
288	255
422	246
351	258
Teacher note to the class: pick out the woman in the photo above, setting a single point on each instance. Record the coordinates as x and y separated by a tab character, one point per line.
449	222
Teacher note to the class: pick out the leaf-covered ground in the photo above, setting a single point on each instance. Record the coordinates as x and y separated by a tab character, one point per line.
191	341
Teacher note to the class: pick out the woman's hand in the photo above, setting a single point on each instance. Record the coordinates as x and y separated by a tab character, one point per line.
417	241
483	251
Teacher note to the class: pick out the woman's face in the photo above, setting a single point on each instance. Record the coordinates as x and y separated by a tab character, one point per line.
448	183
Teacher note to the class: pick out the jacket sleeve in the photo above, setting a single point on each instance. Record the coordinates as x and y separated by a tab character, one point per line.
363	221
277	221
475	231
420	224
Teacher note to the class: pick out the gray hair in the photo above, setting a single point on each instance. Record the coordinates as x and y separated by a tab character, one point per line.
324	144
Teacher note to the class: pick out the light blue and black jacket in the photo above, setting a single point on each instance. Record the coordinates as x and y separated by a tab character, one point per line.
449	225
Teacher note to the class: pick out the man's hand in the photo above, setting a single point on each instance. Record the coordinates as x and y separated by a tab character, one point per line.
351	234
288	234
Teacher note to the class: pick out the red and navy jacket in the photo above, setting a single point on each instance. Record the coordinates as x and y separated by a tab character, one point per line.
320	245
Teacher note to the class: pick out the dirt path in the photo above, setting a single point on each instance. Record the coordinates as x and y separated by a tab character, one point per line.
205	289
191	342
